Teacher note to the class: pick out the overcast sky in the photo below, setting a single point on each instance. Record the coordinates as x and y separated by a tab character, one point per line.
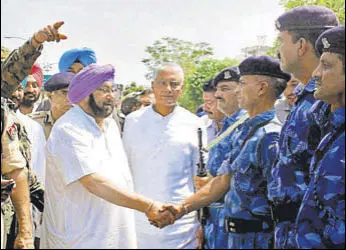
120	30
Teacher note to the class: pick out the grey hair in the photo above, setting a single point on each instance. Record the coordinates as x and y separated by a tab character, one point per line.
165	66
278	85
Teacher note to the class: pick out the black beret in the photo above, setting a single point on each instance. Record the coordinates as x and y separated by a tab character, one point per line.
58	81
307	18
262	65
227	75
209	85
332	40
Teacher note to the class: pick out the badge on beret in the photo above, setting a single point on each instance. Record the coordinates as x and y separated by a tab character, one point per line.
325	42
227	75
278	24
12	131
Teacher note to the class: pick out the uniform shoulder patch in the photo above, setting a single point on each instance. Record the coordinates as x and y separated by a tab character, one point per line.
12	131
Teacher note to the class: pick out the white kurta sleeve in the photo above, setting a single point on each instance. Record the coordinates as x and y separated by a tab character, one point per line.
73	150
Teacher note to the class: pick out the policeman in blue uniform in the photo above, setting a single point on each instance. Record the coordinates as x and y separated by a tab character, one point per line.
298	28
215	235
253	150
321	218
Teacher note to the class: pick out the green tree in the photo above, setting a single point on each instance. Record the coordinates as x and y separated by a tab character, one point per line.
272	52
207	69
338	6
132	87
186	54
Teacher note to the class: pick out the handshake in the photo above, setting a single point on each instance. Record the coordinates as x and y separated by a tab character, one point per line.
161	215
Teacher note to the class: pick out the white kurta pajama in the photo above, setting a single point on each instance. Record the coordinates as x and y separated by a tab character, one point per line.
74	217
163	154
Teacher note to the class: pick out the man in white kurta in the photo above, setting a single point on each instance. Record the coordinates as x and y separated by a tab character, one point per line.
163	152
74	217
77	214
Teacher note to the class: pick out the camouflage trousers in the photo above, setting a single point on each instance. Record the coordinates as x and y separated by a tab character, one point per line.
7	213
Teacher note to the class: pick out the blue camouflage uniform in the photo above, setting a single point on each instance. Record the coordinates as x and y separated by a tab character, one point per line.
299	138
301	133
321	218
250	167
214	233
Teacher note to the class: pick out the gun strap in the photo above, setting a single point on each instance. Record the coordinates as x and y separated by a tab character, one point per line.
226	133
252	132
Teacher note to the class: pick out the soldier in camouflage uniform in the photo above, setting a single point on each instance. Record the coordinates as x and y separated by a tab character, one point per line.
57	89
15	153
305	126
226	83
320	223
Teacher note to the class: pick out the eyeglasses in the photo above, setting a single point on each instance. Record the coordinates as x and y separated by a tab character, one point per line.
107	90
173	84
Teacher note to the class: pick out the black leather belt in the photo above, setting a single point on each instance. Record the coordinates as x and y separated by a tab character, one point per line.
234	225
285	212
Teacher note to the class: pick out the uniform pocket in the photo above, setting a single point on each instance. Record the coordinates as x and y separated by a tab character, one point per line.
242	177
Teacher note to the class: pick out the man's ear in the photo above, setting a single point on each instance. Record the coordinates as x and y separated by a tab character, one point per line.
264	88
304	47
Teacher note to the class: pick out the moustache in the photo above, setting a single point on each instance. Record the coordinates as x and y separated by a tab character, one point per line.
15	98
109	103
28	93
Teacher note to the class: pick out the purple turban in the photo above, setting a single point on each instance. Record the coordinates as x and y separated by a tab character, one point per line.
88	80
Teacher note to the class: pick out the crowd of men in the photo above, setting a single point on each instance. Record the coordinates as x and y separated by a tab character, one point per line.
77	173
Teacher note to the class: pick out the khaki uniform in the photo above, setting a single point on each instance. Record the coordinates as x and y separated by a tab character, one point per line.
16	155
45	119
12	157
